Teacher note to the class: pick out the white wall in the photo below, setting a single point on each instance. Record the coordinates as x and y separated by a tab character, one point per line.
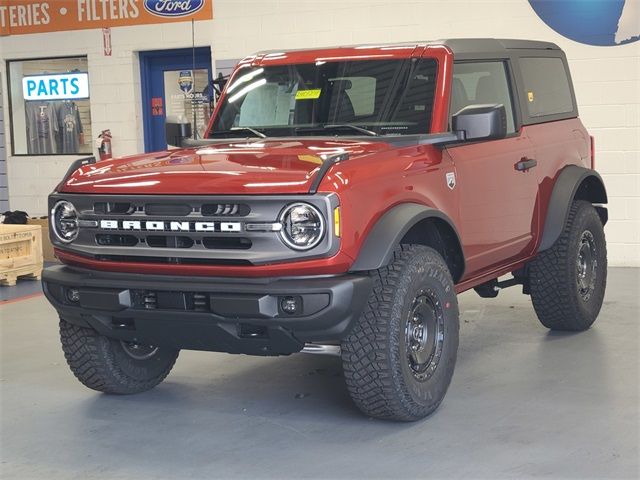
607	79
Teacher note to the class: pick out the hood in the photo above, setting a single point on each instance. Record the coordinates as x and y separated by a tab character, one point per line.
261	166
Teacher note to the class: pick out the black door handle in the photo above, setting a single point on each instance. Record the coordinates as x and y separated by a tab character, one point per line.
525	164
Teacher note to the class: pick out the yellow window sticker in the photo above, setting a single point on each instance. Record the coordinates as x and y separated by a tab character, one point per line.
308	94
530	96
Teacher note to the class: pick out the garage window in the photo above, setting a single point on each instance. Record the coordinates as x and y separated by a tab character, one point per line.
49	105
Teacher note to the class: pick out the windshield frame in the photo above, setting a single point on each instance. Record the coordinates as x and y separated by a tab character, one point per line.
442	56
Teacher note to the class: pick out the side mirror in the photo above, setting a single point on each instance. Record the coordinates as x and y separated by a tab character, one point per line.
176	131
481	122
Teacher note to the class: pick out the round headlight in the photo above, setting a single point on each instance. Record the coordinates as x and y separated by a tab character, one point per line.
64	221
302	226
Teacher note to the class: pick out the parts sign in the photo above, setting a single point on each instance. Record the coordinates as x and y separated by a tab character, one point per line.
19	17
67	86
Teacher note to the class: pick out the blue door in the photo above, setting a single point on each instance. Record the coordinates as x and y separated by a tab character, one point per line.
175	84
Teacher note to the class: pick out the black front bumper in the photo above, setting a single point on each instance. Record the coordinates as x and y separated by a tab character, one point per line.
216	314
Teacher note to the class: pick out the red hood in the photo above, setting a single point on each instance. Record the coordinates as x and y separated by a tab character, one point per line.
260	166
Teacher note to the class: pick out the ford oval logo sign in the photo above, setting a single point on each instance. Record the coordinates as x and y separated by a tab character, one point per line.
173	8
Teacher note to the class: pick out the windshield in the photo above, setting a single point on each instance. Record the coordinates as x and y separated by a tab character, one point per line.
380	97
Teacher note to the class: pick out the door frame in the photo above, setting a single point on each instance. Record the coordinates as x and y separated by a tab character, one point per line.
145	59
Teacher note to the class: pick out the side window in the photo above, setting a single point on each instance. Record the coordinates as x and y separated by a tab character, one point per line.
546	86
481	83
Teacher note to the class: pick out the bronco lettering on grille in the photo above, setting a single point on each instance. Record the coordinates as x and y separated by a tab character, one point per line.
170	226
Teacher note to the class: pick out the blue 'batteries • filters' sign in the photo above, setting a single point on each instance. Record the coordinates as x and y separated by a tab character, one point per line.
66	86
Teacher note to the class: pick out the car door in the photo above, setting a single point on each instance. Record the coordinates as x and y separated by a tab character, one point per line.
497	190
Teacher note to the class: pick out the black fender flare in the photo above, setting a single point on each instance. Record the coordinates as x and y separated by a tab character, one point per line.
377	249
573	181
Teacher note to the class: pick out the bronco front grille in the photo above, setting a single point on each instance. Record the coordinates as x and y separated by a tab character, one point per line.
176	209
185	229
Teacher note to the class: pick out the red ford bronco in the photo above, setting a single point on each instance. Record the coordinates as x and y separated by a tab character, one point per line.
340	201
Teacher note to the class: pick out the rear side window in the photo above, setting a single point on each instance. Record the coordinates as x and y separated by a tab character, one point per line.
546	86
479	83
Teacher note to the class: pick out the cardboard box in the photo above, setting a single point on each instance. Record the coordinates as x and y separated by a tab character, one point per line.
47	247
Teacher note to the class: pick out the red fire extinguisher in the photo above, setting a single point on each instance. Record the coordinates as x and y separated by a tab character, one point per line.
104	145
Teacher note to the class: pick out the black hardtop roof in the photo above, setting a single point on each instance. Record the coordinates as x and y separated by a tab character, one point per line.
493	45
459	46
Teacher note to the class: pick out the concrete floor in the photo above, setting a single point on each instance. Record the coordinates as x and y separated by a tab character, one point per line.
523	403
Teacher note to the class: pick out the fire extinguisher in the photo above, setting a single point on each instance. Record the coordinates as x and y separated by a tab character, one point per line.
104	145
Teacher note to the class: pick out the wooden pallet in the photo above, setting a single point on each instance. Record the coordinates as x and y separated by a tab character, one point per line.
30	272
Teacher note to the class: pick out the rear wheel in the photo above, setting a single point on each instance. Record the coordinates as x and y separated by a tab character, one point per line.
399	358
568	281
114	366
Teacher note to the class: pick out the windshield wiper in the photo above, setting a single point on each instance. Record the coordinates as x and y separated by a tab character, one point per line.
345	126
238	130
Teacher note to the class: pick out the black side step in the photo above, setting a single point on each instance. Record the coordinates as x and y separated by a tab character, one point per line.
491	288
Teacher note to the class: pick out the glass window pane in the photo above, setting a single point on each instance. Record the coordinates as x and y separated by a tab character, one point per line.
385	96
481	83
50	108
187	96
546	86
362	95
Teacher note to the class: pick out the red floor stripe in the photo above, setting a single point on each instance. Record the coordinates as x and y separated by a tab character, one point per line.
19	299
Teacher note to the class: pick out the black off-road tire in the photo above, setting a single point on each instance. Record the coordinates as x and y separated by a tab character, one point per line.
377	366
557	284
103	364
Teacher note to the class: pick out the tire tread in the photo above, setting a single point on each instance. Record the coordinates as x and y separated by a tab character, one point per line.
372	382
91	360
552	276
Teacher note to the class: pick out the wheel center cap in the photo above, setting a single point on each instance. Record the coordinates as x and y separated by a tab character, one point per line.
418	333
583	267
586	265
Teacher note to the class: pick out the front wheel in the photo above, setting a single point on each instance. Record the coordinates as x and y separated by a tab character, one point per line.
399	358
567	281
114	366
